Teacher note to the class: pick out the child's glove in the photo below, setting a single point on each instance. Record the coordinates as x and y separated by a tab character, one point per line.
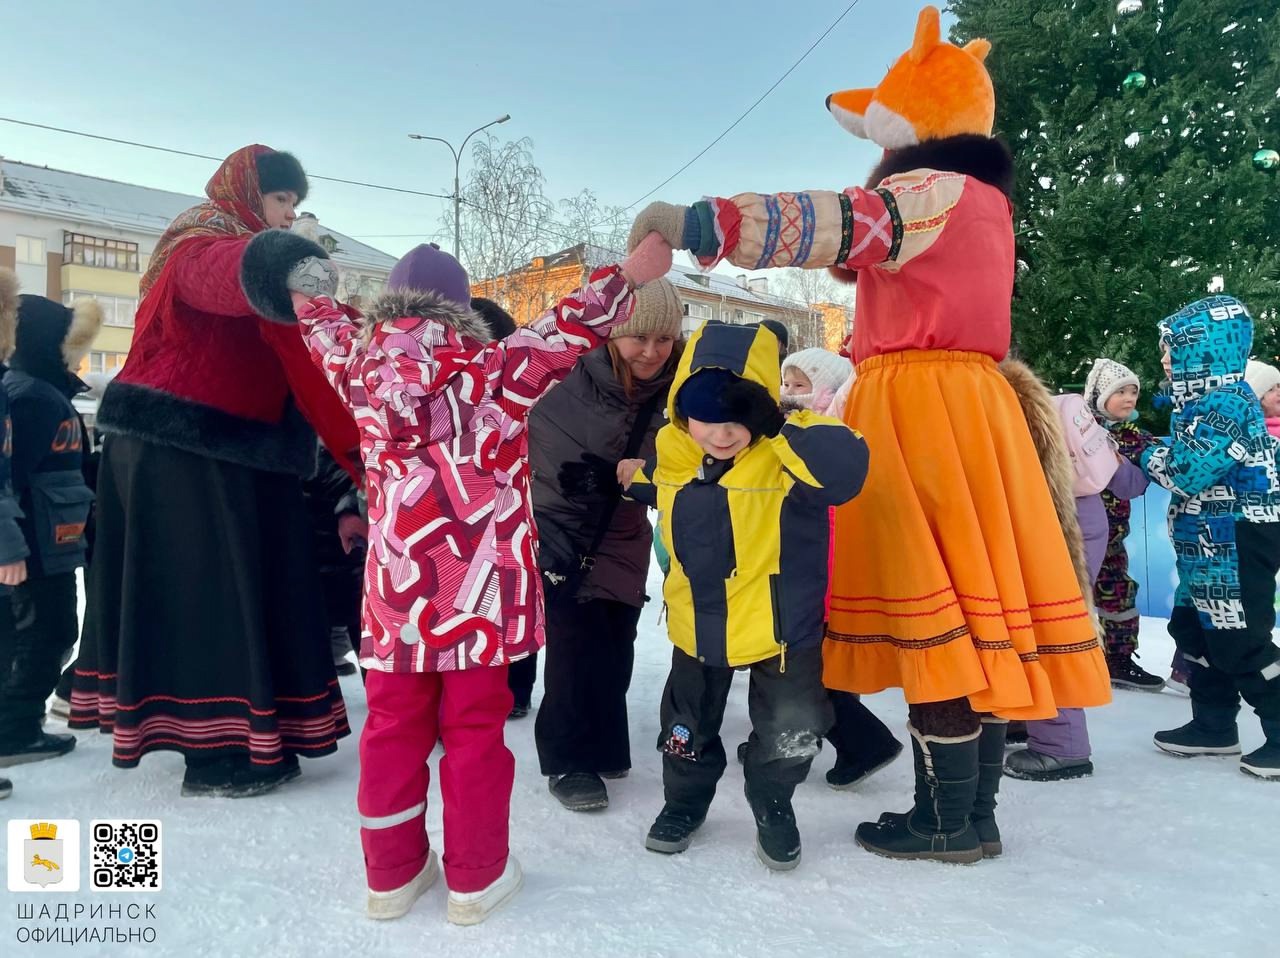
751	405
588	476
666	219
313	277
648	261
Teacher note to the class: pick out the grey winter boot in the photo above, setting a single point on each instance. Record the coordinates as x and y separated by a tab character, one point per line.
939	827
1211	731
990	771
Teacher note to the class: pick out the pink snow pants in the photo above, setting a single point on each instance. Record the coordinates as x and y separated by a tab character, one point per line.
408	714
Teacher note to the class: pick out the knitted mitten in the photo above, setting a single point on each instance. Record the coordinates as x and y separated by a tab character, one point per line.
664	218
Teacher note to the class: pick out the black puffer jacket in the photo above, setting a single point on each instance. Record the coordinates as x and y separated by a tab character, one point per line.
590	413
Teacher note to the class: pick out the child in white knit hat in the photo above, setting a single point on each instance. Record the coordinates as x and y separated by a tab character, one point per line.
811	377
1264	380
1111	393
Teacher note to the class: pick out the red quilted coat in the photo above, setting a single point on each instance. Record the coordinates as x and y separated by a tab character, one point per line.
452	579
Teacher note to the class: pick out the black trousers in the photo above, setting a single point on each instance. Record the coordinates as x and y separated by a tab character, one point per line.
38	626
790	712
1227	664
521	677
858	734
586	672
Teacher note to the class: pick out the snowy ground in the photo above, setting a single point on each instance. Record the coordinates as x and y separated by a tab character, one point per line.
1151	856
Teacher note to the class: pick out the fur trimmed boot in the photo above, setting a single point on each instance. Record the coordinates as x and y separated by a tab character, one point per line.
938	828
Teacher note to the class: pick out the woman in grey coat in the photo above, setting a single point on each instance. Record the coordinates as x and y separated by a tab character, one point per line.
595	545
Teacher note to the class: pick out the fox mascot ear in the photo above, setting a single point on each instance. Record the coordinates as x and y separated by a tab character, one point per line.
934	91
928	35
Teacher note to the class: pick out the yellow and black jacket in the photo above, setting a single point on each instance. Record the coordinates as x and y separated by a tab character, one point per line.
749	538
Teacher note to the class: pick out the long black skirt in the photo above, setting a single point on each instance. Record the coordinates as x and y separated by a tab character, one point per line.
205	627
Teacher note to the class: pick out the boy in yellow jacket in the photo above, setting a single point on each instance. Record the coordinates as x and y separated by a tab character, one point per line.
742	498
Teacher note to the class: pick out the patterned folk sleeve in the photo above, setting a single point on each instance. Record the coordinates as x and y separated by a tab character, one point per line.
536	357
854	229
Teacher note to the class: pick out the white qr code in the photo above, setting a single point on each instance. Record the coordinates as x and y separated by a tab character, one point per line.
125	855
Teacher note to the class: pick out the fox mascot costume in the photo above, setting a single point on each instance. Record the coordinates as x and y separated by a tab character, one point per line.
956	574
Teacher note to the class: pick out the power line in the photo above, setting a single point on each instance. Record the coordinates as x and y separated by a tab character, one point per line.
729	129
542	230
216	159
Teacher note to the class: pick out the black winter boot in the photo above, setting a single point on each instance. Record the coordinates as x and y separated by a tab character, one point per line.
939	827
990	771
1265	762
6	788
579	791
1211	731
672	831
777	837
44	746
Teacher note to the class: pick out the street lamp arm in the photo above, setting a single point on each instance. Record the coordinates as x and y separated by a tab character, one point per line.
502	119
456	153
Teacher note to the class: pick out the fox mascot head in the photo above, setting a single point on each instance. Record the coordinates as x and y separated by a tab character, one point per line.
936	90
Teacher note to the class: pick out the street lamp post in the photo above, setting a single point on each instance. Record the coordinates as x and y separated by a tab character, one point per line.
457	188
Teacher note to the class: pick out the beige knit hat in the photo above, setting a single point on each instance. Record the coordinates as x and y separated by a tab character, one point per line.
658	312
8	312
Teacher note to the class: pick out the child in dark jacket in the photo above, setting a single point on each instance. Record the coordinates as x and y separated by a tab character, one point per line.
39	625
1224	519
743	498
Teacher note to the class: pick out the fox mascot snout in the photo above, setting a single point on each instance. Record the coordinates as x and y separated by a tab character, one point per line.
935	90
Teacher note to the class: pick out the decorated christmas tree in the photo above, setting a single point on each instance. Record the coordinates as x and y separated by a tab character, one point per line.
1145	135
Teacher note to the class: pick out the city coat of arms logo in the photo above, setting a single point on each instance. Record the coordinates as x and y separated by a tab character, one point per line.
43	862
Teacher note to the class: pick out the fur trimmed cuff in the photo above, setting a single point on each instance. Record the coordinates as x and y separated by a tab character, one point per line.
264	270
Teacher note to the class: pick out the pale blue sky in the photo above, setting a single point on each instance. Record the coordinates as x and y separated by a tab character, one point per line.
615	96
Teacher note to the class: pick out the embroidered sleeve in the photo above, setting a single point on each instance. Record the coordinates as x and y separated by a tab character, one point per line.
854	229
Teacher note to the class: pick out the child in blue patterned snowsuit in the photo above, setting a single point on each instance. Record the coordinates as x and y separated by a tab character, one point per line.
1224	520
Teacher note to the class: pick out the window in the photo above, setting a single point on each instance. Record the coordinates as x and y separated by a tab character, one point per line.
30	250
82	250
748	316
99	362
116	310
698	311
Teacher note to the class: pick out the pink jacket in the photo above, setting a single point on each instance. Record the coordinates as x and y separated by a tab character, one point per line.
451	579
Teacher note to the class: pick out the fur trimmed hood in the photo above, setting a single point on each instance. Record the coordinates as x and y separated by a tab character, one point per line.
396	304
8	312
1046	432
52	340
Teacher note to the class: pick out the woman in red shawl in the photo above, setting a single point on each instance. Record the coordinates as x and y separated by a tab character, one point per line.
204	632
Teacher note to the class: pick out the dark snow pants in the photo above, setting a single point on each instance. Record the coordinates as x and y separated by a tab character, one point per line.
38	626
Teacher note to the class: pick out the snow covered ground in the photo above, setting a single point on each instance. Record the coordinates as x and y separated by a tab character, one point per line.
1151	856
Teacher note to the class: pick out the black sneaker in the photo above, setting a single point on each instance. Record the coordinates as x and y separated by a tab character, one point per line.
1263	763
1194	738
672	831
579	791
846	775
45	745
777	838
518	711
1127	674
345	667
6	788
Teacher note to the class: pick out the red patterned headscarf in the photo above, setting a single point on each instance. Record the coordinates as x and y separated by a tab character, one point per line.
234	208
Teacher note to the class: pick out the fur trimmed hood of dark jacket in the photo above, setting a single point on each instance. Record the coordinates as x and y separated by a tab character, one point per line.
419	304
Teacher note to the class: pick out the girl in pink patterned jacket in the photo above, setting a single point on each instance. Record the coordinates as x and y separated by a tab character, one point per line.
452	590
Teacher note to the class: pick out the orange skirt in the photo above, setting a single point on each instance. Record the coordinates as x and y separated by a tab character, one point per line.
951	575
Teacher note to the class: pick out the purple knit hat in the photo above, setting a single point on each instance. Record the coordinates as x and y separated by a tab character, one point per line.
428	268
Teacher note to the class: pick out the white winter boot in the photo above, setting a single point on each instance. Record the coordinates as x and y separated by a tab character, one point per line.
398	901
471	908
